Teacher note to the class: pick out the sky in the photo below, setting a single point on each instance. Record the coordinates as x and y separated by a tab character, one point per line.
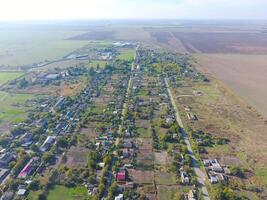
13	10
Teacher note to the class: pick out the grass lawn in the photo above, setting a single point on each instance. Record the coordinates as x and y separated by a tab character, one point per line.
97	62
8	76
262	174
12	109
144	133
167	193
142	93
126	54
62	192
165	178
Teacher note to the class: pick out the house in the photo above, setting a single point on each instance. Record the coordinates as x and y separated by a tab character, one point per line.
220	177
191	195
3	174
215	166
42	123
169	120
26	139
102	164
121	176
28	168
184	177
213	178
126	153
127	144
119	197
59	103
128	165
5	159
127	133
191	116
52	76
48	143
21	190
7	196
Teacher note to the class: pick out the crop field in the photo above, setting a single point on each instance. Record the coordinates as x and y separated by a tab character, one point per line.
20	47
94	35
61	192
8	76
223	42
245	74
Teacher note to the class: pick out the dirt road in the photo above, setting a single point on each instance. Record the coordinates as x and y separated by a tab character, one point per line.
201	176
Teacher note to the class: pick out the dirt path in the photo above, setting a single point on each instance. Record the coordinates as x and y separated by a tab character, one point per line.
201	176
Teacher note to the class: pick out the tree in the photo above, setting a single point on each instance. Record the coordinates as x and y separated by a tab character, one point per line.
48	157
178	196
112	190
18	131
237	171
62	142
23	83
101	189
34	185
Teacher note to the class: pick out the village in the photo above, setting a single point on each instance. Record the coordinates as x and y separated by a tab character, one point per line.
118	138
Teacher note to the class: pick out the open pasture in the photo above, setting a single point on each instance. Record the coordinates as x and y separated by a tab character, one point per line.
8	76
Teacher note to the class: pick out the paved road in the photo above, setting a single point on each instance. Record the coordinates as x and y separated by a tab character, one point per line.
201	176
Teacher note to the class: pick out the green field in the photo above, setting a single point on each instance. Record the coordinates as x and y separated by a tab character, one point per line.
96	62
262	174
61	192
21	46
12	107
8	76
126	54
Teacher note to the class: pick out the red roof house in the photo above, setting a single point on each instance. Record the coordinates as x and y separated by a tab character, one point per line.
121	176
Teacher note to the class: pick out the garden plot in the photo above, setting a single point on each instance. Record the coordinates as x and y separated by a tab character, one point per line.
77	157
141	176
162	158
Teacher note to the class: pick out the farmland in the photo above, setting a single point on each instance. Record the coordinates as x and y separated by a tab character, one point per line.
8	76
22	47
245	74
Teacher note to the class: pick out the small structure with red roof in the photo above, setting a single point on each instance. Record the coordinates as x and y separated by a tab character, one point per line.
121	176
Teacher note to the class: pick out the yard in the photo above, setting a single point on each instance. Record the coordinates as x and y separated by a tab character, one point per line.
62	192
126	54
